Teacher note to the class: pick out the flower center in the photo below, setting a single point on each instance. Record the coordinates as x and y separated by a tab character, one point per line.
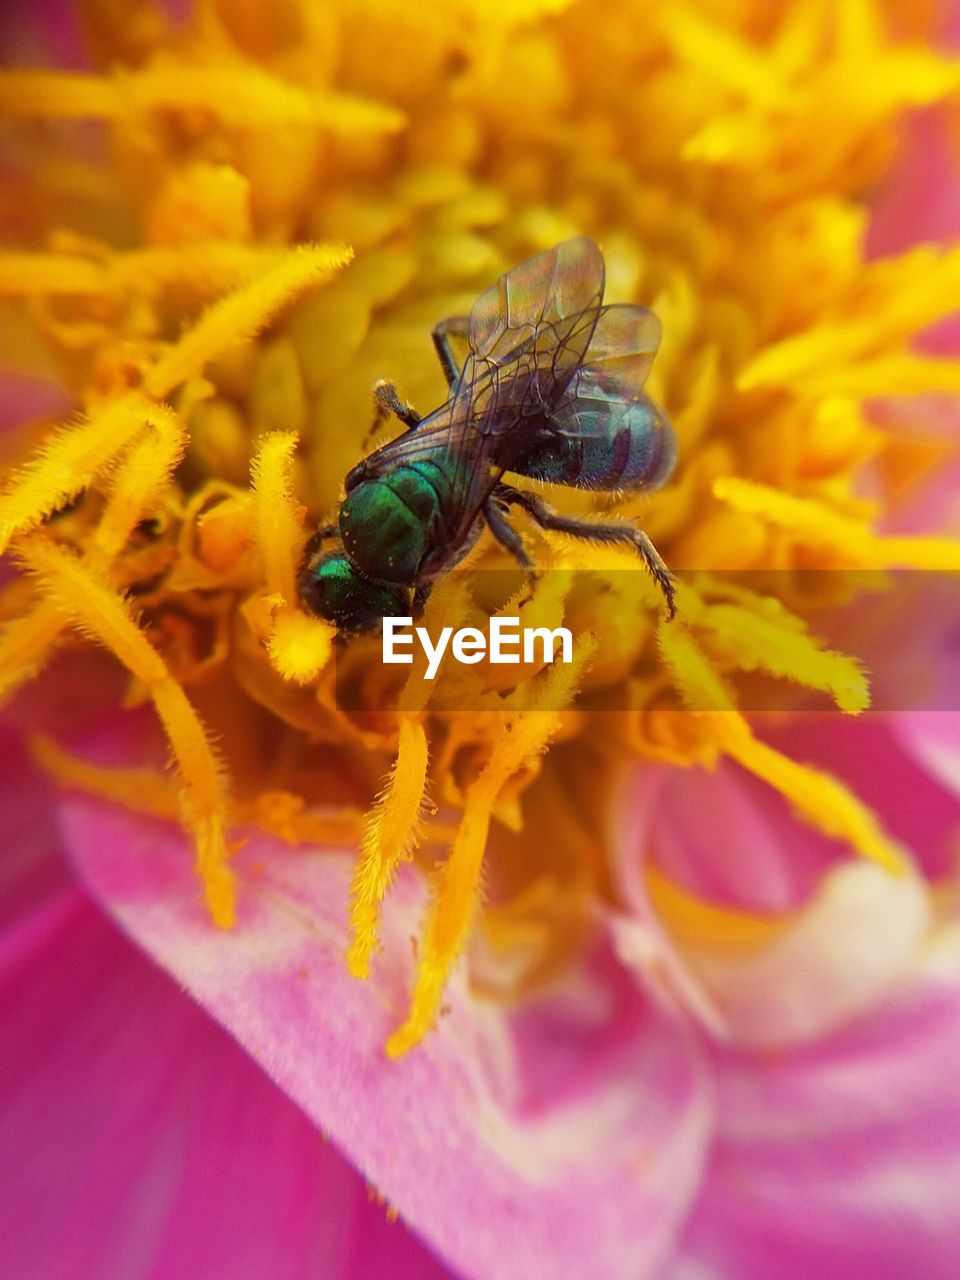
212	441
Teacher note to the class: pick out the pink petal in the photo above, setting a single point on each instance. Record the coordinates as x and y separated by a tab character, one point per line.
870	755
137	1140
919	198
723	835
842	1160
560	1141
24	398
933	738
30	873
848	932
37	34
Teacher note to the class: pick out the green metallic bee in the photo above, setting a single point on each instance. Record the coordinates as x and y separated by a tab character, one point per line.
551	389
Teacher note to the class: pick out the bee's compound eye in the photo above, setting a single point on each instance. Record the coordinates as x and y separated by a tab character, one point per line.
333	589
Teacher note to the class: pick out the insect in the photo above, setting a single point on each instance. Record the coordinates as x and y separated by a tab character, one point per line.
551	389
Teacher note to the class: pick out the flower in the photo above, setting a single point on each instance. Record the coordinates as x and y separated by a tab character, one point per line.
293	194
170	1152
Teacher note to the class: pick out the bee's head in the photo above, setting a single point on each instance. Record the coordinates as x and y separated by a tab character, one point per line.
333	589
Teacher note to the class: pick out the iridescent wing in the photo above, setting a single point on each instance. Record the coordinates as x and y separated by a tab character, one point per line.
624	343
528	334
625	340
604	432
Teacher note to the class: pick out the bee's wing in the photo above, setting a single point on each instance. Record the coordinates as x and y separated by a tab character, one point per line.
537	294
625	340
535	324
530	332
622	349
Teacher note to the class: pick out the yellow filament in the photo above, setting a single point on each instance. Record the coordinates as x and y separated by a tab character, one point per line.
277	516
241	94
821	800
140	790
698	682
25	645
697	922
390	836
240	315
522	737
299	646
813	521
208	268
148	791
756	642
68	463
140	479
95	608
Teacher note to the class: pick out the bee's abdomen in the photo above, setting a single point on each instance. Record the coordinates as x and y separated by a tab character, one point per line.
387	523
597	443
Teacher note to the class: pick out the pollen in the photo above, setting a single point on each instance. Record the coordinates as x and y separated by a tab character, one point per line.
275	215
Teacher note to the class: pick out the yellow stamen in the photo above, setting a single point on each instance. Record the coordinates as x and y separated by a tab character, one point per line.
716	52
76	455
522	737
68	463
698	681
239	94
242	314
278	517
25	645
208	268
896	375
140	479
390	836
140	790
281	813
93	607
29	274
901	296
824	802
299	646
753	641
695	921
814	522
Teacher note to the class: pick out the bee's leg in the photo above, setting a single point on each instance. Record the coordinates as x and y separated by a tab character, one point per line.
505	533
625	534
452	327
508	538
388	401
421	595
